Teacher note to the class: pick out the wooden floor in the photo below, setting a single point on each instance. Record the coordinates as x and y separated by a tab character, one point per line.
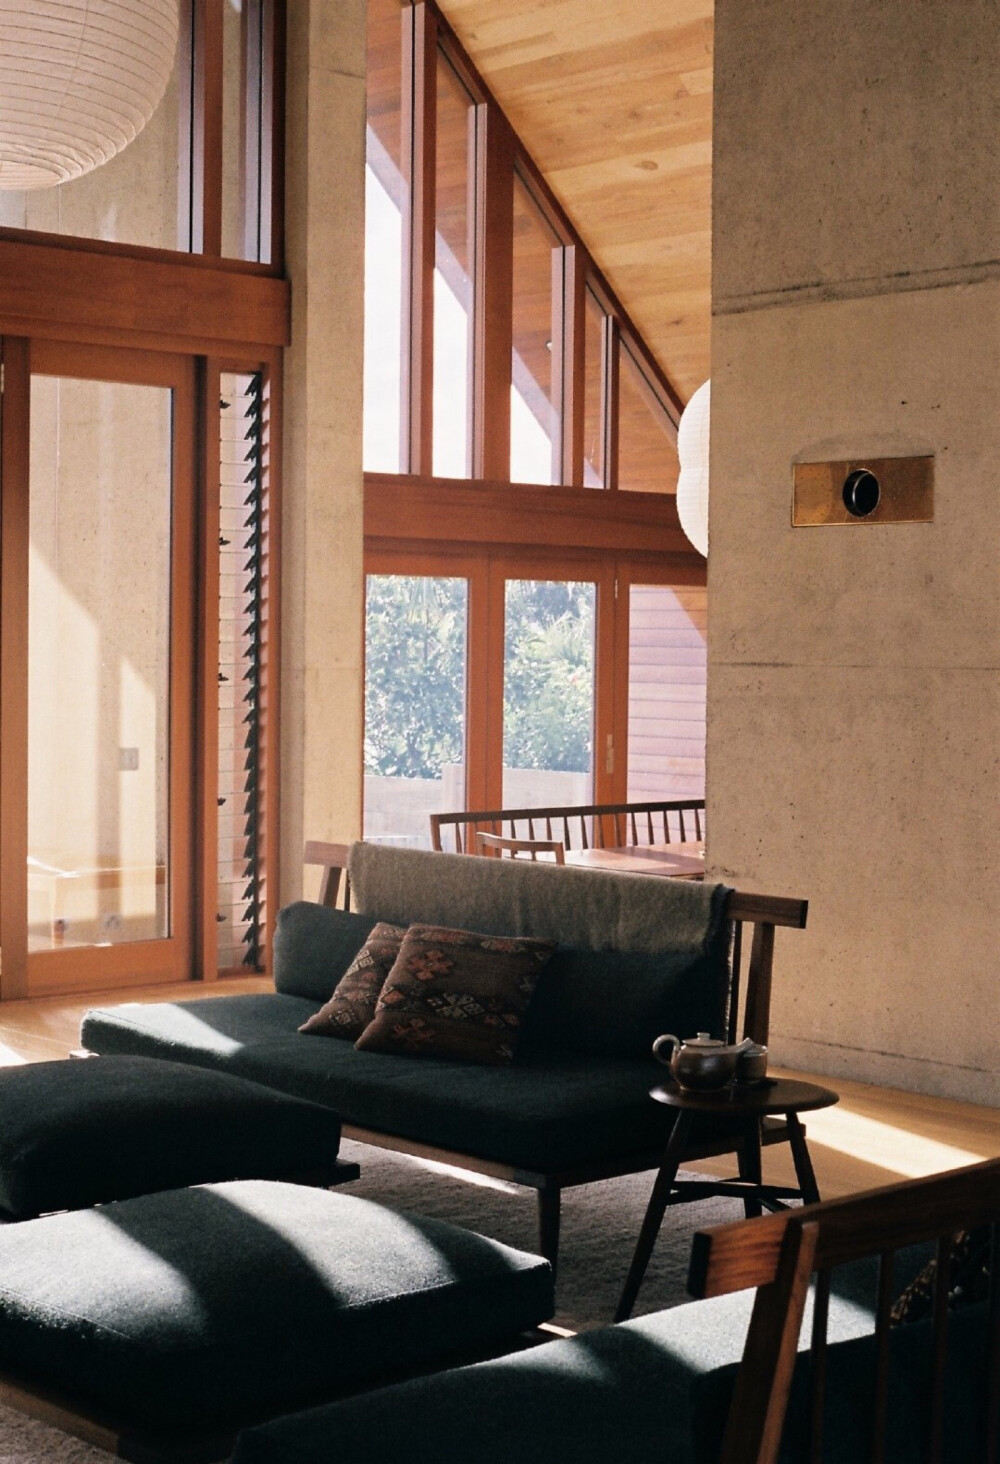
873	1136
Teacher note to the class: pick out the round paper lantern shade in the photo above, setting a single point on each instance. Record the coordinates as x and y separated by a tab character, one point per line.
78	80
692	483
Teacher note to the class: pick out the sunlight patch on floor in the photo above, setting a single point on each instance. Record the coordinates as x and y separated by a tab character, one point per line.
897	1150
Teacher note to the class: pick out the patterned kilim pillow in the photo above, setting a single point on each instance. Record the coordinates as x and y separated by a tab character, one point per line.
455	994
968	1279
352	1005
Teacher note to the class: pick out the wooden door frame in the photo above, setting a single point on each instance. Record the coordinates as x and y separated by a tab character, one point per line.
147	962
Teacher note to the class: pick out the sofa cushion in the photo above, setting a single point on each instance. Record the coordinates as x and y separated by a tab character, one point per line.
74	1134
565	1111
314	946
653	1390
239	1301
548	1112
206	1032
552	1111
456	994
352	1006
616	1003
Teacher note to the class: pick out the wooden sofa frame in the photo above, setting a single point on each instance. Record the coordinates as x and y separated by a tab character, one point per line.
780	1254
753	920
611	825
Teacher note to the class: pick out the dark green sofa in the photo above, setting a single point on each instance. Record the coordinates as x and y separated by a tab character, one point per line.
637	956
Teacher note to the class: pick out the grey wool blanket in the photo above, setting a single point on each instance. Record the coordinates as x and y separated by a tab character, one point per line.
588	909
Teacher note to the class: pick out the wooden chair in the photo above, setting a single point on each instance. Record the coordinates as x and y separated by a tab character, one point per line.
577	826
779	1255
499	844
752	920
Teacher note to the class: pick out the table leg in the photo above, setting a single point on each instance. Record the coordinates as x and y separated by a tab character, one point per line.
750	1165
654	1216
803	1163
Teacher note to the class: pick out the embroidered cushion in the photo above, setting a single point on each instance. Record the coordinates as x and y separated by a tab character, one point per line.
457	994
352	1005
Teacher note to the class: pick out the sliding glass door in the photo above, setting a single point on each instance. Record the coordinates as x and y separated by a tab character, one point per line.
98	571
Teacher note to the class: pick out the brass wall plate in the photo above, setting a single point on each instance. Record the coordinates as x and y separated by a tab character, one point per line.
905	491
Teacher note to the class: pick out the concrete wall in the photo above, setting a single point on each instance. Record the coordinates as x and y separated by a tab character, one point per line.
854	689
322	576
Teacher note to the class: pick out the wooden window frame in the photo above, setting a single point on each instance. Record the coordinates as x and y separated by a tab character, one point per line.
497	156
206	313
486	571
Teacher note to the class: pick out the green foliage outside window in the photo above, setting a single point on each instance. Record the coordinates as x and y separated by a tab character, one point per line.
415	658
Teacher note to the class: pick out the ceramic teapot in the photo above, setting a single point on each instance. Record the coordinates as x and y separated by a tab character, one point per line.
699	1064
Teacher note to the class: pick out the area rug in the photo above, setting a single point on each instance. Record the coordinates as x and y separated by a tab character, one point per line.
600	1223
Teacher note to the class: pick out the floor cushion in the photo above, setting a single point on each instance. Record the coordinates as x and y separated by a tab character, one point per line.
234	1302
74	1134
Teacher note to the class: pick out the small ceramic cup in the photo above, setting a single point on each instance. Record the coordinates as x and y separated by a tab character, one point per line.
751	1066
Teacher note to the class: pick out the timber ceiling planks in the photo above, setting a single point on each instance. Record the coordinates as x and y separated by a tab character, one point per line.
613	100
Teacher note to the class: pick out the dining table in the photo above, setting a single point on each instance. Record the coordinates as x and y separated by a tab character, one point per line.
676	861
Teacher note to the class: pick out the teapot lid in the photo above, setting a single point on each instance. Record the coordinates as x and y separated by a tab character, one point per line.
703	1039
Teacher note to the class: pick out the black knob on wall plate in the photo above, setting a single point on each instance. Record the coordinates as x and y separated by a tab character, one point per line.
861	493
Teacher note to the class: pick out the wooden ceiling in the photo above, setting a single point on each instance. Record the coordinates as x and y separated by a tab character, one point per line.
613	100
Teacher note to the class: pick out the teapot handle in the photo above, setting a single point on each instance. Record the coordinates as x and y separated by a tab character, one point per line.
660	1043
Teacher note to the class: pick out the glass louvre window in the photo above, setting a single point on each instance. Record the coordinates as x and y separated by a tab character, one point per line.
243	678
453	276
533	422
416	632
666	692
647	452
548	697
593	393
385	204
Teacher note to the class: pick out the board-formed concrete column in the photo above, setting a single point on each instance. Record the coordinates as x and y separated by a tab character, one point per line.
321	570
853	688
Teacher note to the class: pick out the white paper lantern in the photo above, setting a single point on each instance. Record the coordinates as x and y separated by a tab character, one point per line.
692	484
78	80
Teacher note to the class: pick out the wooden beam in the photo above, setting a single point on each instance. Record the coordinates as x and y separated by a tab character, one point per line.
146	298
432	511
493	333
419	128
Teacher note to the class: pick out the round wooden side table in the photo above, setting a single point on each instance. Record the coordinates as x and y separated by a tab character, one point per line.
745	1106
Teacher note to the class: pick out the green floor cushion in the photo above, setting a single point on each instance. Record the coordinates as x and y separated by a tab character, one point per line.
74	1134
649	1391
207	1032
235	1302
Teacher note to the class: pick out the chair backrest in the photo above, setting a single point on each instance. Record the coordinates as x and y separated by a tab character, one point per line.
752	919
576	826
498	844
779	1255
